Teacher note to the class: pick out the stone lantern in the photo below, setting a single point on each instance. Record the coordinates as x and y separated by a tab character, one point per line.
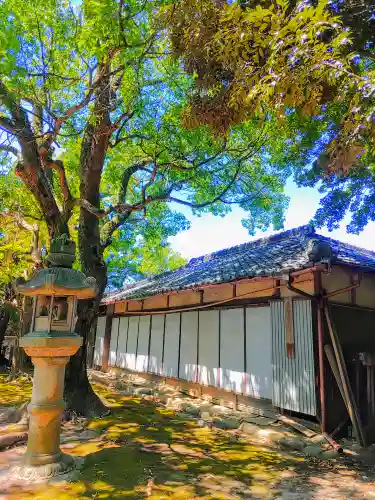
50	343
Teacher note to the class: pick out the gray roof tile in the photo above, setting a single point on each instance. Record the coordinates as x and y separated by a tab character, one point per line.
290	250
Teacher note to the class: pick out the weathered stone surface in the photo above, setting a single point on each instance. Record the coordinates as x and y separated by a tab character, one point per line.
328	455
174	403
205	423
190	409
271	435
205	408
205	415
318	440
226	423
162	398
143	391
218	410
88	434
312	451
12	438
8	415
263	421
248	428
292	443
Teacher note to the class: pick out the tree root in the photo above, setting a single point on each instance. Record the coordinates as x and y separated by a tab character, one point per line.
18	416
13	438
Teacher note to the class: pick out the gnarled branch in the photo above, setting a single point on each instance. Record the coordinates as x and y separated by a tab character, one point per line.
58	166
10	149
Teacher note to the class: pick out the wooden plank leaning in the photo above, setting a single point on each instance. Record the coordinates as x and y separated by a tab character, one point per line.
346	387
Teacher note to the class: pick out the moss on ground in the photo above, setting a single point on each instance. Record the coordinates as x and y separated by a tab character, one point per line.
146	451
15	392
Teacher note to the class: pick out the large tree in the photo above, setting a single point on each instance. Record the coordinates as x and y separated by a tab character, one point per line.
90	114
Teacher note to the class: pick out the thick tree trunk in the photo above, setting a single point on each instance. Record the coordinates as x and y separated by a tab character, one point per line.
4	320
20	361
79	396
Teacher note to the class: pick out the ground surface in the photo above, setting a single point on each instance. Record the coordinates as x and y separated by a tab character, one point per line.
143	450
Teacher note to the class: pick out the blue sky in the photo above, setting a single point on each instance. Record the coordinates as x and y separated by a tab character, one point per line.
208	233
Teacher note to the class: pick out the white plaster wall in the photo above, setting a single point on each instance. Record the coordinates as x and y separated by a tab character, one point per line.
131	349
335	280
113	343
156	344
365	294
258	352
232	350
99	340
188	349
121	344
143	344
208	352
171	344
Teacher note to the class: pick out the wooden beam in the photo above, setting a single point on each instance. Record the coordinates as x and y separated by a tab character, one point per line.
289	327
318	292
344	377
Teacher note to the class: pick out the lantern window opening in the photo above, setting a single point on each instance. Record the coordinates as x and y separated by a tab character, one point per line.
54	313
35	299
50	313
73	316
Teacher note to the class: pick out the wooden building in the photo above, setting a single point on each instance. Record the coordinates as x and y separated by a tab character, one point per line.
286	321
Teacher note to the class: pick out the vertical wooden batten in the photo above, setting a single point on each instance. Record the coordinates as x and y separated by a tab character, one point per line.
107	336
319	311
289	327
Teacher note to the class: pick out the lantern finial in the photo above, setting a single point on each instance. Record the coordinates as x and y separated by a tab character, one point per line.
62	252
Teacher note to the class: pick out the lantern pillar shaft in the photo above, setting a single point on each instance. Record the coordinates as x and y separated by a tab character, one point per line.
45	411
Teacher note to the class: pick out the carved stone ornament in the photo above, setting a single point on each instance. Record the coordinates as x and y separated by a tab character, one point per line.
43	472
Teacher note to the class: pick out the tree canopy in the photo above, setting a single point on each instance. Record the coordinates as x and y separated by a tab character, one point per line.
59	62
310	63
92	144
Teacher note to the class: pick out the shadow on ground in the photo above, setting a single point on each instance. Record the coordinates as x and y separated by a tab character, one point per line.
143	450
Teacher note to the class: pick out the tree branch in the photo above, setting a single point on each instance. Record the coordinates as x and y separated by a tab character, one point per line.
128	173
54	75
8	126
10	149
58	166
110	227
210	202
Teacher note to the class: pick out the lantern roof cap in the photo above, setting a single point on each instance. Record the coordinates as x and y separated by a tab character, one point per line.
61	281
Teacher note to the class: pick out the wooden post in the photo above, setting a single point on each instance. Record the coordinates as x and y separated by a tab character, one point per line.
349	396
318	289
107	336
321	366
289	327
336	373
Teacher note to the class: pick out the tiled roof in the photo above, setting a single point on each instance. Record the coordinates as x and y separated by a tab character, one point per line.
283	252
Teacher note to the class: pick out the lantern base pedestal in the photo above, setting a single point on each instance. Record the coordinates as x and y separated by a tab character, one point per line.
37	473
21	475
43	459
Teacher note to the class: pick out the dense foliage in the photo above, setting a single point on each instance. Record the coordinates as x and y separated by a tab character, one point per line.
304	61
91	145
